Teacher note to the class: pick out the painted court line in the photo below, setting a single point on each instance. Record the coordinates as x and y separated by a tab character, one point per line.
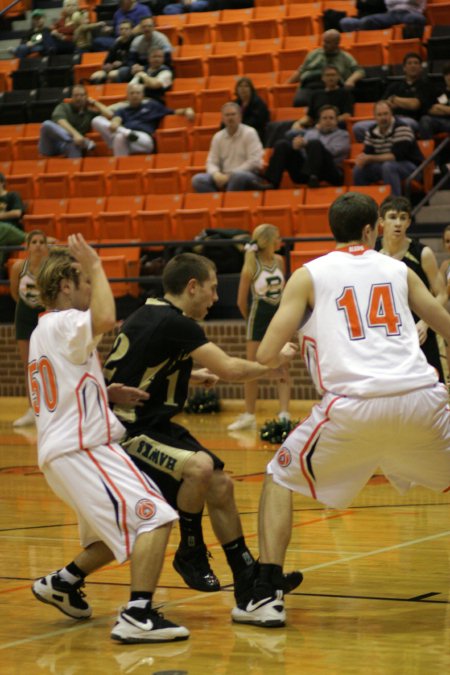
377	551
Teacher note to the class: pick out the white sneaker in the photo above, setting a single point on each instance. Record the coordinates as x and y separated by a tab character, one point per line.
284	416
268	612
142	624
26	420
68	598
244	421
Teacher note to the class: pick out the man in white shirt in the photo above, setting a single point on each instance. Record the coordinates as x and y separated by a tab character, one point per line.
235	157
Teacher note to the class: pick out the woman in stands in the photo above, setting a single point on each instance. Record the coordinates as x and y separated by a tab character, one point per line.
28	304
255	112
262	274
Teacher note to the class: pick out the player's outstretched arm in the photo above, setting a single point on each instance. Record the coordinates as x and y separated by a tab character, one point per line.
102	305
128	397
297	296
427	306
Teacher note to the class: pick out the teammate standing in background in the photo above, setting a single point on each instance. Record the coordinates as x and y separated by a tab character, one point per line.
263	275
395	219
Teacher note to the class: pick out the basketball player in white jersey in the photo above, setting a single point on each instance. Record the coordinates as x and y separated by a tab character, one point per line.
382	404
121	513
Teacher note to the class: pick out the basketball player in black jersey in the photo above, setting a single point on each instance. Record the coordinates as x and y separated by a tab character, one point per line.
154	353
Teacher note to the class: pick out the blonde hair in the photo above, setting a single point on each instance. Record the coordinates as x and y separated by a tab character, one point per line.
262	237
58	266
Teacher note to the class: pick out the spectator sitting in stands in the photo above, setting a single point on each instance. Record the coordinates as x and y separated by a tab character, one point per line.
11	228
254	111
129	10
437	119
82	36
37	40
65	133
140	47
129	130
235	156
309	74
117	55
409	98
332	94
311	156
390	151
64	28
397	11
189	6
158	78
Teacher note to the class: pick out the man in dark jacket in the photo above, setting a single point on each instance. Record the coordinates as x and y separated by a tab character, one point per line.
132	126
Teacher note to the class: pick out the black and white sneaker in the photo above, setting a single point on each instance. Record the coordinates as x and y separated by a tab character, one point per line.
193	566
143	624
243	583
68	598
267	612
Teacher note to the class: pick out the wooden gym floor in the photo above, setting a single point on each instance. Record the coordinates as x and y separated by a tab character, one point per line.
375	598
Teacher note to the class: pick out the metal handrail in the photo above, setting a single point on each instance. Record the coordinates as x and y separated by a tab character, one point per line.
5	9
419	170
287	241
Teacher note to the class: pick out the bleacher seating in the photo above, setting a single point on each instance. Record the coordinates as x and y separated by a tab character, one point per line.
149	197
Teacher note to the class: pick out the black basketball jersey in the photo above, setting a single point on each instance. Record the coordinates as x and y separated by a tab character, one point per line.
152	352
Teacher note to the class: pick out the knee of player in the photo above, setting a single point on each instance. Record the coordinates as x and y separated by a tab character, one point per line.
199	468
221	488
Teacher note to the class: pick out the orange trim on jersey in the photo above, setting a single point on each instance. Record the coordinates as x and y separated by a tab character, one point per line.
303	455
354	249
121	499
89	376
305	339
124	457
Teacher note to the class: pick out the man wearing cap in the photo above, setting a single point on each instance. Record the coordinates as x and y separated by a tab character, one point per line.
38	38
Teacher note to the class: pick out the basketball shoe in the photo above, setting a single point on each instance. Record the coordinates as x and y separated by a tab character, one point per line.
243	583
244	421
263	609
143	624
193	566
68	598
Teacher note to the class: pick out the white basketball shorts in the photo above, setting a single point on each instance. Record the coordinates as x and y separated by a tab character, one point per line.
332	454
113	500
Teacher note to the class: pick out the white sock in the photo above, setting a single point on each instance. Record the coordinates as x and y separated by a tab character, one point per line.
68	576
142	602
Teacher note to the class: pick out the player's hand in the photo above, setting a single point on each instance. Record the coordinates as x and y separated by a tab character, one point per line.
204	378
422	331
128	397
288	352
84	254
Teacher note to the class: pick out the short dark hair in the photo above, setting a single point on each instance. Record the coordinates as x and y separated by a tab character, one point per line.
393	203
184	267
411	55
330	66
327	106
349	214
